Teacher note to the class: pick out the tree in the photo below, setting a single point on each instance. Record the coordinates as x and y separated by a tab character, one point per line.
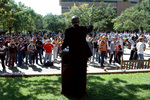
18	17
53	22
8	15
101	16
134	18
27	20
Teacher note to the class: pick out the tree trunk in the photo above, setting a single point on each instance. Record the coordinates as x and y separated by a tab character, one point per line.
10	28
141	28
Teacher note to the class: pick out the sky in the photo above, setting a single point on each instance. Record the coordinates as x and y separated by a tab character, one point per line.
43	7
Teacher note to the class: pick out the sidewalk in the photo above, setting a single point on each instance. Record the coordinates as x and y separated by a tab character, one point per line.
93	68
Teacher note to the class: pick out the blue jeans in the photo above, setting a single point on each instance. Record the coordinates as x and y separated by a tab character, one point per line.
58	52
27	57
40	54
16	57
99	58
140	57
102	57
95	53
31	58
7	54
19	58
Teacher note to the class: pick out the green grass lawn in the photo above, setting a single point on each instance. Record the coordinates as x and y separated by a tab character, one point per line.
99	87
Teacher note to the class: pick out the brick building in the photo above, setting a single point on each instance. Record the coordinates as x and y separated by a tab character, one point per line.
120	4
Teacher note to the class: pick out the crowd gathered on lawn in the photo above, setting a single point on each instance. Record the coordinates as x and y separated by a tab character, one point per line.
34	48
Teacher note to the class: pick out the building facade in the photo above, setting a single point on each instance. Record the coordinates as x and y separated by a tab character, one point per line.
119	4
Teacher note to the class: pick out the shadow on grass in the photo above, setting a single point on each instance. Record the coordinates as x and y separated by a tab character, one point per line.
113	90
98	88
28	89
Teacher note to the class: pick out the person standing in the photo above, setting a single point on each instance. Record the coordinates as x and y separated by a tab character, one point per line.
39	50
102	47
26	50
48	51
94	42
12	53
6	45
53	35
140	50
2	54
121	42
55	50
31	49
132	41
148	38
20	49
59	34
91	47
119	52
79	52
112	49
16	42
108	48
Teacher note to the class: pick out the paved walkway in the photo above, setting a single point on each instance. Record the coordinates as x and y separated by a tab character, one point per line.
56	69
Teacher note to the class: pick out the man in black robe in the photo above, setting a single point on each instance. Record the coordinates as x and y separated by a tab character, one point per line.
79	52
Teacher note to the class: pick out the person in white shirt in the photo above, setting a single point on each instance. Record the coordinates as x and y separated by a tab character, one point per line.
140	50
148	38
121	42
2	54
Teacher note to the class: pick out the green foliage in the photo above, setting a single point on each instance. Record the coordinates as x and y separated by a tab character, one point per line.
134	17
19	17
24	21
101	16
54	22
7	14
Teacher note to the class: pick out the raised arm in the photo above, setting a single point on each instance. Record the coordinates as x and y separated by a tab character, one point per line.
90	28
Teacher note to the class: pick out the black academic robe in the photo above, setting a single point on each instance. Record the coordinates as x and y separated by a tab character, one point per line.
79	52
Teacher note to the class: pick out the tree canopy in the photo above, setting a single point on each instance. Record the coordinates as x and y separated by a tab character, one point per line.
134	18
101	16
20	18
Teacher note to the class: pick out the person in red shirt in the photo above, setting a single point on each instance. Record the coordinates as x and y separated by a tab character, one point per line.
48	50
119	52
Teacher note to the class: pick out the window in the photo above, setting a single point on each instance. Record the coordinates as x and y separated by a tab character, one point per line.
133	3
81	0
65	8
89	1
112	2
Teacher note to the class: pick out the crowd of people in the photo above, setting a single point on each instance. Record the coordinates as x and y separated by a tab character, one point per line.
104	45
30	48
